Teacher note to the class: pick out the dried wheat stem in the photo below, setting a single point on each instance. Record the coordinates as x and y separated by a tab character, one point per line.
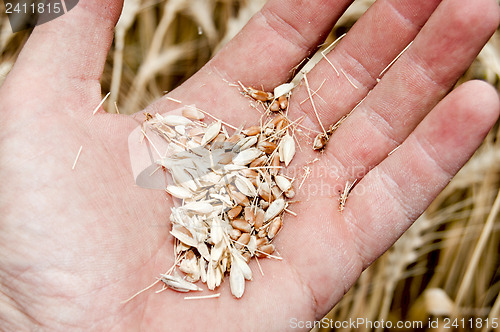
309	129
478	251
140	292
314	92
260	267
307	172
395	59
217	119
312	103
174	100
269	255
100	104
328	49
352	83
202	297
345	194
116	108
164	288
64	8
233	198
243	86
150	142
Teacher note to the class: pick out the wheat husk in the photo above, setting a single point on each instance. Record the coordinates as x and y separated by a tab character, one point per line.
226	208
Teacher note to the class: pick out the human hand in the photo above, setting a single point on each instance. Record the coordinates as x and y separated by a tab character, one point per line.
75	243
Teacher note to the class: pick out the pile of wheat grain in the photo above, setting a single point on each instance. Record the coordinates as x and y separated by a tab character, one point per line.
233	197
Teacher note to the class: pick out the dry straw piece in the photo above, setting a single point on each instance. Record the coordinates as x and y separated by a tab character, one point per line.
232	199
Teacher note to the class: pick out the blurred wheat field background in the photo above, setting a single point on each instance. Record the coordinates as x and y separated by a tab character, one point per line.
447	264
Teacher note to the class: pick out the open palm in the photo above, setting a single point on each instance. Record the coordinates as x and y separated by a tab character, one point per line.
75	243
